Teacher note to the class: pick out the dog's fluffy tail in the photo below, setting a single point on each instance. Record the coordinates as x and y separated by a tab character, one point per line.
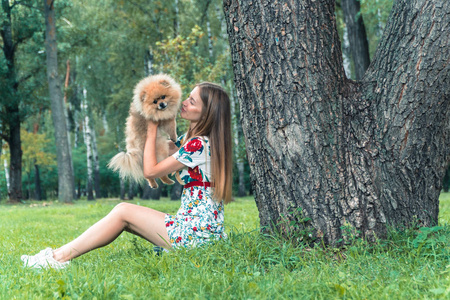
128	164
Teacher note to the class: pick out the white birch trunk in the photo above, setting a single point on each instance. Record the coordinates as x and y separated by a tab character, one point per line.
148	62
345	54
96	163
5	164
105	123
177	23
210	45
88	142
239	161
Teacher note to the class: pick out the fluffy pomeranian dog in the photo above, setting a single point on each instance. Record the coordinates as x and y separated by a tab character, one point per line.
155	98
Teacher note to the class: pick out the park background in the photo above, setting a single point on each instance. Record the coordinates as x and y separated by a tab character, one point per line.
104	48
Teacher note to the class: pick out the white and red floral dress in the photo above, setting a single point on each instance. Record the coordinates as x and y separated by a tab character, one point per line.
199	219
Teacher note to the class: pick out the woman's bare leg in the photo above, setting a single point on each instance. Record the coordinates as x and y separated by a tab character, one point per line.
142	221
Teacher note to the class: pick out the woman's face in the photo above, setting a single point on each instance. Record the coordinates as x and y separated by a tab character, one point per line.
192	107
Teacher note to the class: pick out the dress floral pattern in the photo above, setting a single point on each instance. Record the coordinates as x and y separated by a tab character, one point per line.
199	219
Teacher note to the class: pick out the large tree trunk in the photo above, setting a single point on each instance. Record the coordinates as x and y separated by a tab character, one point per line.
328	152
65	174
357	36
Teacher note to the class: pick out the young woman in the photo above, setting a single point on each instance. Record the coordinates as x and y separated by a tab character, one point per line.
205	162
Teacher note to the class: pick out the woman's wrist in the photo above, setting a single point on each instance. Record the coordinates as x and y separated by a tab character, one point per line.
152	128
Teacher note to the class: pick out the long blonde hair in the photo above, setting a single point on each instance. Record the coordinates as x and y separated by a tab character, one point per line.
216	125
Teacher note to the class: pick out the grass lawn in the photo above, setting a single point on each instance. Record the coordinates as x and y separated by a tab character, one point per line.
409	265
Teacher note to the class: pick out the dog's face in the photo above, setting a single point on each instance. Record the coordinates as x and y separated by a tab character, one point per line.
158	99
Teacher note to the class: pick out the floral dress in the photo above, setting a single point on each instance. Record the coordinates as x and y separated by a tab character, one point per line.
199	219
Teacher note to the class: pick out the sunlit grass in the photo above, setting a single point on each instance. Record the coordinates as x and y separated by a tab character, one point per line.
247	265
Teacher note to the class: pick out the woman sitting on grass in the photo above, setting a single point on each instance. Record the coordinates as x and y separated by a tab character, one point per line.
206	152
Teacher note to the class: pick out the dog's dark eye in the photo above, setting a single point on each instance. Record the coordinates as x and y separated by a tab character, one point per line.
163	97
156	101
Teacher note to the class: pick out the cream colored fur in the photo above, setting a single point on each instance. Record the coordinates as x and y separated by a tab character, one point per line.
148	104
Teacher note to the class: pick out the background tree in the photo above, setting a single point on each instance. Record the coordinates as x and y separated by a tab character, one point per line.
357	36
64	157
34	155
327	153
20	21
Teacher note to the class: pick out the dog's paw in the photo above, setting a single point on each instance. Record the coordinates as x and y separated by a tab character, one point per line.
152	183
167	181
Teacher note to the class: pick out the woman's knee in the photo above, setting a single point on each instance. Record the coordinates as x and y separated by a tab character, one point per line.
121	208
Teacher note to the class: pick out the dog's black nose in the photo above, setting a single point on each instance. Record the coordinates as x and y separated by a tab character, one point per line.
162	105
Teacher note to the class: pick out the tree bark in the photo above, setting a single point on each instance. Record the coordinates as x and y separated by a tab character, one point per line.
65	173
346	54
97	188
122	188
177	189
149	193
8	181
67	110
328	153
88	142
37	183
15	150
446	181
12	106
237	147
357	36
131	190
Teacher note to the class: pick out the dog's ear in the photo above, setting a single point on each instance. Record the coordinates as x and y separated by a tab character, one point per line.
142	96
164	83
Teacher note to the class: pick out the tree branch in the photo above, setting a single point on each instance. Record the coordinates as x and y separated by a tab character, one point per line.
205	12
25	4
148	13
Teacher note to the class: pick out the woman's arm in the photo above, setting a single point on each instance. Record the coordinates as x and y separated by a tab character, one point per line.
153	169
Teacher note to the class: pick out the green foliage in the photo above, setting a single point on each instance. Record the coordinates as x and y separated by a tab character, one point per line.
296	227
33	145
375	14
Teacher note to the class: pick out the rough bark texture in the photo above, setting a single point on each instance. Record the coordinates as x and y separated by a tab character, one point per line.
330	153
357	36
65	174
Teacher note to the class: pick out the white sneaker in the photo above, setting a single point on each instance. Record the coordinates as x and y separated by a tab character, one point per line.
43	260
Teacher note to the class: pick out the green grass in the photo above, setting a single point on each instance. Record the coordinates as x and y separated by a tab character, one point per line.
408	265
